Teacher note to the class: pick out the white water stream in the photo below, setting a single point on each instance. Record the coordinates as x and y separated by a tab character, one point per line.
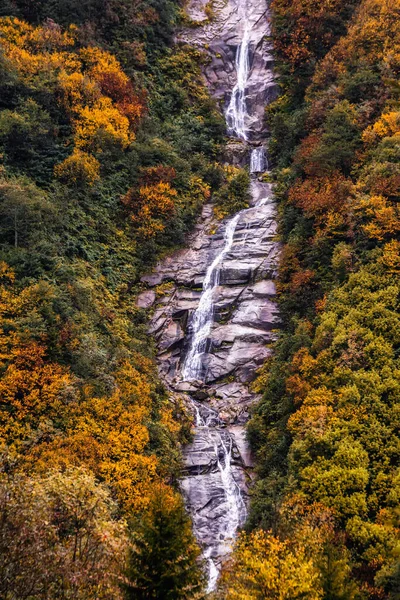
200	327
203	317
258	160
237	110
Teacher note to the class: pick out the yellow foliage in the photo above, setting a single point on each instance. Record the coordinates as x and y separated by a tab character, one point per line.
385	217
35	39
387	125
168	421
98	63
391	256
100	123
150	207
78	168
77	90
265	567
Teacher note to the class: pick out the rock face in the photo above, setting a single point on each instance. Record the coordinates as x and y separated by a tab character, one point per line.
220	38
245	315
215	320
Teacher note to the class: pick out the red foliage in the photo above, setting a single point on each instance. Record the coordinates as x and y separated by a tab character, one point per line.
158	174
130	103
301	279
320	195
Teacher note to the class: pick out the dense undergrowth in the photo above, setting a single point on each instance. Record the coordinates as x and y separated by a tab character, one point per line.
109	145
325	510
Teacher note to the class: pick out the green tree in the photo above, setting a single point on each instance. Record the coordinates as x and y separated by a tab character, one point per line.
23	209
163	556
336	574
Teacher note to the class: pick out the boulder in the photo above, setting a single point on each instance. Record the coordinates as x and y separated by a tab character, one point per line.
146	299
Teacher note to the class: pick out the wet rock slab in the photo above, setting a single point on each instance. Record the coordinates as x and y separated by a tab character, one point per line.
246	318
220	39
217	467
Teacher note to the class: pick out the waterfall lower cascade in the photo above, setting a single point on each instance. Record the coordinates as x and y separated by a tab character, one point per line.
258	160
215	323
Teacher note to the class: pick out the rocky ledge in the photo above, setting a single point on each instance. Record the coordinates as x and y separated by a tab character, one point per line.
242	315
245	314
219	37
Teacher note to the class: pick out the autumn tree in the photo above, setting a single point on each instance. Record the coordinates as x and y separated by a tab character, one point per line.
67	521
265	567
150	206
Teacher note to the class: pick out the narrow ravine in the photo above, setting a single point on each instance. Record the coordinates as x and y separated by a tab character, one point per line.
217	316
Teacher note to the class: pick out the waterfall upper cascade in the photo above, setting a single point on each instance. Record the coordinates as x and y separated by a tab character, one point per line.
237	109
215	322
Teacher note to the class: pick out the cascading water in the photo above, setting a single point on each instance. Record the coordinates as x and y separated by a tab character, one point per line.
237	110
213	358
202	321
258	160
235	511
208	425
203	316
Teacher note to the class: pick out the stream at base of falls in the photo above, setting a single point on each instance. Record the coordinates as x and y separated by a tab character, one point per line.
216	323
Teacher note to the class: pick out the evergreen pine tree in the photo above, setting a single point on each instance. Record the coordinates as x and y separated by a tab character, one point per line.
163	557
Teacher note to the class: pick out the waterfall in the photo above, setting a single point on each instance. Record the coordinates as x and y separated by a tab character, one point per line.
236	512
258	160
237	110
204	315
206	419
202	321
216	489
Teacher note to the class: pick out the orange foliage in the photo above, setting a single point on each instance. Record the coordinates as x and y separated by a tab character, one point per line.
52	420
385	217
154	175
310	421
307	28
31	388
298	387
303	155
320	304
109	435
150	207
98	96
301	279
77	168
318	195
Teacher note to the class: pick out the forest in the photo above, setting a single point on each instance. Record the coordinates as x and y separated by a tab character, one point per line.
109	146
325	509
105	162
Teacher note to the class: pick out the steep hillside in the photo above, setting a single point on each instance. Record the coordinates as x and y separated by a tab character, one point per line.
106	159
326	431
111	143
